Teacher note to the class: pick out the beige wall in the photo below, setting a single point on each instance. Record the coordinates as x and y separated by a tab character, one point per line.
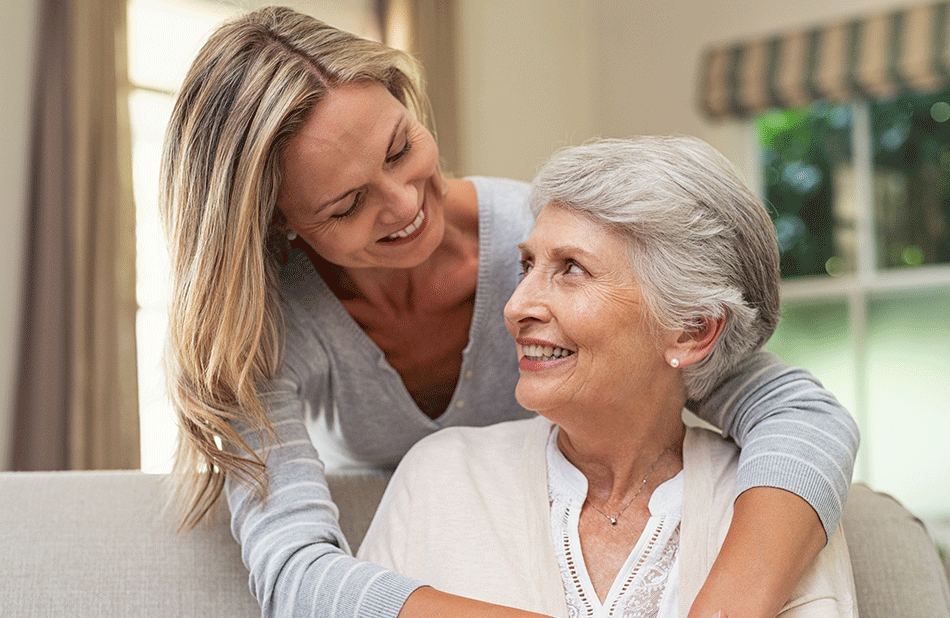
536	74
650	54
17	31
526	81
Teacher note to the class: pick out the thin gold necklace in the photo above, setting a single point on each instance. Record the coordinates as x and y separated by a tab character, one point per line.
613	520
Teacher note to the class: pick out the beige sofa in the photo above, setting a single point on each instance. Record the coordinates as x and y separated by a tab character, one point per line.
98	544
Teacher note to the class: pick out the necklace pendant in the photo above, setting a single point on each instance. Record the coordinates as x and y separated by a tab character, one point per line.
613	521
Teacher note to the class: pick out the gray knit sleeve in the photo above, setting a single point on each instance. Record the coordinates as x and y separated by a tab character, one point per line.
793	433
299	562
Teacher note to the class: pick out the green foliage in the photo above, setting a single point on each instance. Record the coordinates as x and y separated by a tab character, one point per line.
807	161
911	154
802	149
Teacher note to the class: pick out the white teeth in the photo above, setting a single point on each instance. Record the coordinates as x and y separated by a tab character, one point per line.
409	229
544	352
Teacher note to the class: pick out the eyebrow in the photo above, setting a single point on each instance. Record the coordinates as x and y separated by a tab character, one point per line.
392	140
560	251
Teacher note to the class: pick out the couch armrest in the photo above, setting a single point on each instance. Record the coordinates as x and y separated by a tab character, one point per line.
897	572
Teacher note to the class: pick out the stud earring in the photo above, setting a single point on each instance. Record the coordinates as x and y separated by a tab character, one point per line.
674	363
291	235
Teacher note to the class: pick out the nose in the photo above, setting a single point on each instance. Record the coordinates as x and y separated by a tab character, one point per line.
528	304
400	199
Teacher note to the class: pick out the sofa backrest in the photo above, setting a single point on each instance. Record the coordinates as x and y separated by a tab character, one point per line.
897	571
101	544
97	544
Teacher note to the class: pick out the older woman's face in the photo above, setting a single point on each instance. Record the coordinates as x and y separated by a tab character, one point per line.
360	181
578	317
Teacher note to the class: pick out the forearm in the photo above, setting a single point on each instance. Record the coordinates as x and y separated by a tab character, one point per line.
292	543
793	433
773	538
428	602
798	449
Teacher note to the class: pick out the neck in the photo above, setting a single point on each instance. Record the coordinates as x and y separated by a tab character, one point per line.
615	462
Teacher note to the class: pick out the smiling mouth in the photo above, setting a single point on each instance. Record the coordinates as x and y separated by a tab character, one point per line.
544	352
409	230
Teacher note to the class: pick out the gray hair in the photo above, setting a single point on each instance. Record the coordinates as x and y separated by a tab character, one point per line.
701	243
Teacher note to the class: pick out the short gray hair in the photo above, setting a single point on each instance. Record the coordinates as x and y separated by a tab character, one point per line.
701	243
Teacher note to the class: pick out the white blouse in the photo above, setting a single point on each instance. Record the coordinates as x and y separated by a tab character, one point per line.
647	585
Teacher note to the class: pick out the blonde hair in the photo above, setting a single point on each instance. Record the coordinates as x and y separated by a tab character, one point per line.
252	85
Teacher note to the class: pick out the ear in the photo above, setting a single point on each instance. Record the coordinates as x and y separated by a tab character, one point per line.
691	346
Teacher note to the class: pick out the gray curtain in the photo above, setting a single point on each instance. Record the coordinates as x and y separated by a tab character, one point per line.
76	401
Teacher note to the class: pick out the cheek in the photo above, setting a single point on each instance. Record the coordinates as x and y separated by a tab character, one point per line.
340	241
611	326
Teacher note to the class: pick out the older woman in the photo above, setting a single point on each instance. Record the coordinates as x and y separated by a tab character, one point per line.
651	272
335	299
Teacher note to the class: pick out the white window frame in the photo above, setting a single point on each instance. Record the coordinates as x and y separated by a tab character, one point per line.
856	289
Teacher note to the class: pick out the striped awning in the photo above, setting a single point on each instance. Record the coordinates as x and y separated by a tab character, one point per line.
870	57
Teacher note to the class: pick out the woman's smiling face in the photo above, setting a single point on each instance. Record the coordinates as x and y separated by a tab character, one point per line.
360	181
578	317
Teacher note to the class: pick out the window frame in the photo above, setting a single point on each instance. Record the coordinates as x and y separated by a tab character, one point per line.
868	281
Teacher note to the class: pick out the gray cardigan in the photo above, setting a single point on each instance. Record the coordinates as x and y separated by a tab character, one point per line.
336	390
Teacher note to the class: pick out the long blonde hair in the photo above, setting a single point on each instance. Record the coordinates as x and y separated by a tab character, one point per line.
250	88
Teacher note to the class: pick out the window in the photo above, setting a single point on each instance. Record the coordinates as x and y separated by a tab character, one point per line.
157	65
860	196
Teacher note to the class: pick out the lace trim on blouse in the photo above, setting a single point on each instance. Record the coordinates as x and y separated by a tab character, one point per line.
647	584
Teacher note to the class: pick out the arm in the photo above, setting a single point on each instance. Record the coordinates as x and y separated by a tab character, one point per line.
428	602
798	449
292	544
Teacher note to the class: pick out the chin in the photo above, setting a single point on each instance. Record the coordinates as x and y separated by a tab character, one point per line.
530	399
429	243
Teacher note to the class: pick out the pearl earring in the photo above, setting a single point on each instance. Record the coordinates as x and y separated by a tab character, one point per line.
674	363
291	235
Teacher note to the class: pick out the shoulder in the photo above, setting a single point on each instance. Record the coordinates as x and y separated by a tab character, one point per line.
506	200
710	445
308	312
503	189
470	452
710	464
478	443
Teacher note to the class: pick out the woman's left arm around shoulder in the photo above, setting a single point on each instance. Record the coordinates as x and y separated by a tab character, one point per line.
798	446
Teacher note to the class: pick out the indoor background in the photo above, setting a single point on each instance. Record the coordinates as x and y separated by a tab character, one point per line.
858	187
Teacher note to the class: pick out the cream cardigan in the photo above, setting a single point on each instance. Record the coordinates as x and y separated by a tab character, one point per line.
467	512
